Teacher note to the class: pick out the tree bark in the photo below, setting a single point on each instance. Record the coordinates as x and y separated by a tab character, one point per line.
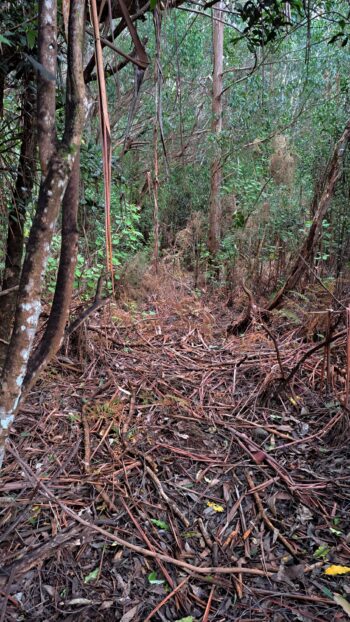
215	186
157	87
54	332
47	48
308	249
21	197
51	193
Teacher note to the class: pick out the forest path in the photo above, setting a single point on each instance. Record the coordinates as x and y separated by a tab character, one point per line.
166	435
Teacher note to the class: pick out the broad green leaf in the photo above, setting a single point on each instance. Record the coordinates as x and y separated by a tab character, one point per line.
31	38
5	40
336	532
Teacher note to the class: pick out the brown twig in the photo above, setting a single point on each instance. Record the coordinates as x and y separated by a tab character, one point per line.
167	499
166	599
208	607
291	549
133	547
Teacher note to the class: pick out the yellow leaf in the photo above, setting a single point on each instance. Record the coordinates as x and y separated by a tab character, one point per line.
215	507
334	570
292	401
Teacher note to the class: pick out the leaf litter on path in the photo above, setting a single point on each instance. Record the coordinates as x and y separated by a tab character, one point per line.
188	446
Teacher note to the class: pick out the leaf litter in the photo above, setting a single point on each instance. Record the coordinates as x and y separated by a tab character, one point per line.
161	471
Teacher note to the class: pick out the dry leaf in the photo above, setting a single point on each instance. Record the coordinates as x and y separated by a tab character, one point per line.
334	570
343	603
129	615
258	456
247	533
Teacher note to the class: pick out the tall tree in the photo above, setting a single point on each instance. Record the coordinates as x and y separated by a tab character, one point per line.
215	186
57	161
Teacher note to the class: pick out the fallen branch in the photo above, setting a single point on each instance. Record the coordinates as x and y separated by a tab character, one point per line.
22	565
97	304
311	351
205	570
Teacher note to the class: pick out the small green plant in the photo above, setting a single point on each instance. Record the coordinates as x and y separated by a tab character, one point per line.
153	579
322	552
92	576
160	523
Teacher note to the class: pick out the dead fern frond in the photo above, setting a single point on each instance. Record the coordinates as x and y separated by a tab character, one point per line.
282	162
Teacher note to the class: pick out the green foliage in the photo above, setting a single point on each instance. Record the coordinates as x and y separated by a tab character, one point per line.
153	579
322	552
281	76
18	29
92	576
160	523
228	250
267	20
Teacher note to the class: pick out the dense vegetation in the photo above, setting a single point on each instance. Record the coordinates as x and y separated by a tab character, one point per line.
285	105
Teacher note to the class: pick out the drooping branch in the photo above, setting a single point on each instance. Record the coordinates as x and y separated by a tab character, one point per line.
105	138
117	31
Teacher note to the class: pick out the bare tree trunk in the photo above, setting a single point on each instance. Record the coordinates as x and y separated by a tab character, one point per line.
215	199
155	200
15	234
47	56
157	78
51	193
307	251
54	332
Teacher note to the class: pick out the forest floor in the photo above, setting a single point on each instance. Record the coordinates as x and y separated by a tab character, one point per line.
160	471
